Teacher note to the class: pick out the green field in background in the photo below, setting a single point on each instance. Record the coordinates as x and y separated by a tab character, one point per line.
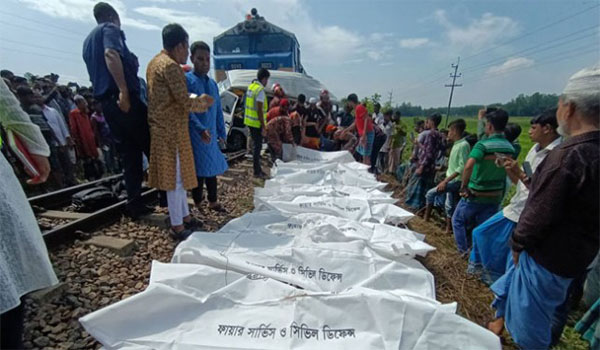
524	139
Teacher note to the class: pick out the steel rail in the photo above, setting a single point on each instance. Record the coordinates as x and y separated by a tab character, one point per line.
62	197
100	218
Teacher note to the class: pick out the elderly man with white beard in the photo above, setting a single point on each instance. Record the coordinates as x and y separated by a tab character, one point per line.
558	232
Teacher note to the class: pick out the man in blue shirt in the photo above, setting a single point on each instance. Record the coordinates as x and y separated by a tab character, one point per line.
113	73
207	129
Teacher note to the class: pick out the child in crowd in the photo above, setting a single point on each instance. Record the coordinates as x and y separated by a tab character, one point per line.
397	143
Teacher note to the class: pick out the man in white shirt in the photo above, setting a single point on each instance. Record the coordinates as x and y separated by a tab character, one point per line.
57	124
387	127
490	240
62	169
377	115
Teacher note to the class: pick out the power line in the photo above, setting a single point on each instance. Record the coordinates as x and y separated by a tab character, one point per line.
5	49
553	55
37	22
557	58
422	85
553	60
411	85
38	31
561	56
419	84
575	54
533	31
555	43
437	73
572	52
70	32
40	47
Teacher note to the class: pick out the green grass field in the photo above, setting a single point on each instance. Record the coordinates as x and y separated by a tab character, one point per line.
524	139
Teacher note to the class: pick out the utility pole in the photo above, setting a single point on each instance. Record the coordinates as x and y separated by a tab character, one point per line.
452	86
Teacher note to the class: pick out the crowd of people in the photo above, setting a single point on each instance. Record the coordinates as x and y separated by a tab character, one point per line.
539	249
535	253
72	123
376	139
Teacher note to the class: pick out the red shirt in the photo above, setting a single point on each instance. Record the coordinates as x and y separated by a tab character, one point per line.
361	113
83	135
274	102
273	113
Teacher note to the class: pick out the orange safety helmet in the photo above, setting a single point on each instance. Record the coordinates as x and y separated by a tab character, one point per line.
330	129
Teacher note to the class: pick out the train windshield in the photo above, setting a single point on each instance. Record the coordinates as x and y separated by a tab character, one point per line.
235	44
273	43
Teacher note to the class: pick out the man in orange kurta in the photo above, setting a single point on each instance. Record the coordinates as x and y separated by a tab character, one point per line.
169	105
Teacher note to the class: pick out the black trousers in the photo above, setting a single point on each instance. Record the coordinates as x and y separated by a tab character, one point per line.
66	166
377	144
211	188
11	325
257	141
274	155
92	169
132	134
297	133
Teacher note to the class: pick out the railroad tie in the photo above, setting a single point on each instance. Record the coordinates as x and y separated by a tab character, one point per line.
237	171
121	247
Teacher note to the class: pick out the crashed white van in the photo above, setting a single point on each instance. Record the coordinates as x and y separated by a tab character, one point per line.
233	89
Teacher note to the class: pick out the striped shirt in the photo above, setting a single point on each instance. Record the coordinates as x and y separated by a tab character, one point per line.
486	176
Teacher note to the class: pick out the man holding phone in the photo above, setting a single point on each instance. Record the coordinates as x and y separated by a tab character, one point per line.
483	182
490	249
558	233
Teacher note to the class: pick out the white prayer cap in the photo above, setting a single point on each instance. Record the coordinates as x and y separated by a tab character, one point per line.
312	100
584	82
78	98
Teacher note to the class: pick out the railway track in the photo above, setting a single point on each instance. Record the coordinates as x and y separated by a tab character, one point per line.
70	224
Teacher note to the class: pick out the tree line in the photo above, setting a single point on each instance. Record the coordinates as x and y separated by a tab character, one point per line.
522	105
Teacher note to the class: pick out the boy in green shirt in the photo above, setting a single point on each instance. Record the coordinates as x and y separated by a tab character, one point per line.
483	181
446	192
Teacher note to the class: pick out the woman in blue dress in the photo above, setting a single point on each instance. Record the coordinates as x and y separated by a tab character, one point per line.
206	129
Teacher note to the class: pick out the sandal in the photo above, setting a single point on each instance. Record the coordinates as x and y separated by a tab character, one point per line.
181	235
193	224
218	208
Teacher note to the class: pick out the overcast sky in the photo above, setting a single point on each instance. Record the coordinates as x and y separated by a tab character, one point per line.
506	47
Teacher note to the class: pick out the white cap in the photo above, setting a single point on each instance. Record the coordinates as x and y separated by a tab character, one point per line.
312	100
584	82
